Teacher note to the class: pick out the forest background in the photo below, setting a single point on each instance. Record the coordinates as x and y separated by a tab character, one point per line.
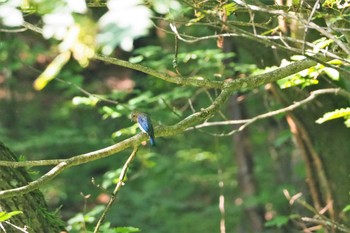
249	101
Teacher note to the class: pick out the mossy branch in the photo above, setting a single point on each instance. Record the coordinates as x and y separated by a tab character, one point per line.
160	131
227	88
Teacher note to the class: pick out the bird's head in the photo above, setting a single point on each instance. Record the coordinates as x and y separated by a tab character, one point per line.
134	115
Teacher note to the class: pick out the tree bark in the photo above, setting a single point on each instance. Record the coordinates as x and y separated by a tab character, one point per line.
245	165
35	217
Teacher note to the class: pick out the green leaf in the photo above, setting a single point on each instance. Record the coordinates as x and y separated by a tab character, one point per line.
296	80
321	44
125	131
332	73
230	8
109	112
347	122
338	113
7	215
90	101
346	209
126	229
278	221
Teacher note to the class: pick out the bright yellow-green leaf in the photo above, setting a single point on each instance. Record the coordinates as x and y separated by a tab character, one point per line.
336	62
338	113
230	8
321	44
51	70
109	112
197	19
7	215
91	100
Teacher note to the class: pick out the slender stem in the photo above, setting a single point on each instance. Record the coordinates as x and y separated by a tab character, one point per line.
116	189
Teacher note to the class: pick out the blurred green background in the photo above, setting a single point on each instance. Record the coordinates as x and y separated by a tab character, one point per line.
175	187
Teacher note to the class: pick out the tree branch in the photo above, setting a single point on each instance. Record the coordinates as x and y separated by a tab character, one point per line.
116	189
268	77
227	88
313	95
194	81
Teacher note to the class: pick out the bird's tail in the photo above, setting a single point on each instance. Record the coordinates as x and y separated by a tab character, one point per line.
152	141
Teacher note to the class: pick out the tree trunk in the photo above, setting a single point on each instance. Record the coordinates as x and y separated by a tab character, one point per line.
35	217
245	165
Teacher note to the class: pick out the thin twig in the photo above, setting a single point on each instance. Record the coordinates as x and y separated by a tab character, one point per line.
308	22
227	88
172	109
291	107
99	97
191	81
327	223
319	218
117	188
16	227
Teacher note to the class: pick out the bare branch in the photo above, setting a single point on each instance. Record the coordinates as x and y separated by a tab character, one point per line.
227	88
193	81
302	20
117	188
36	163
35	184
246	122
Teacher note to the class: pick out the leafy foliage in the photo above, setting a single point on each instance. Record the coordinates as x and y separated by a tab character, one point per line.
84	106
338	113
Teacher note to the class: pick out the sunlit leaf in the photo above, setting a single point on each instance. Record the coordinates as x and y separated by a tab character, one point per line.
90	101
296	80
347	122
7	215
109	112
78	6
197	19
336	62
51	70
338	113
124	22
136	59
297	57
332	73
9	15
164	6
56	24
80	40
346	209
230	8
321	44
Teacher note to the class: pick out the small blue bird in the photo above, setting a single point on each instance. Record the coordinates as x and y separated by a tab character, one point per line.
145	125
